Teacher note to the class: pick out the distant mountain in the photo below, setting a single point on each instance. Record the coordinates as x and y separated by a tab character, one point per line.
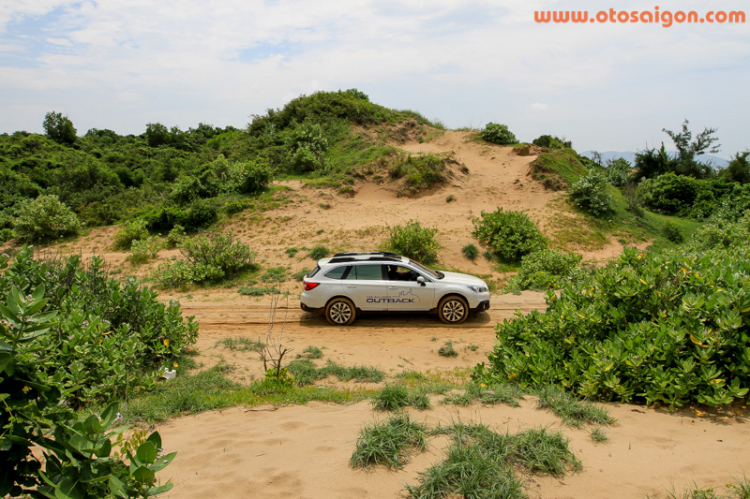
716	161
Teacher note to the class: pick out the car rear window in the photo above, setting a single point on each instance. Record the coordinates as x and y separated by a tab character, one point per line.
313	272
337	273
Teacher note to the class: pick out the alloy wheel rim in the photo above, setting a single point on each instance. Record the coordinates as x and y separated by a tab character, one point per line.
340	313
453	311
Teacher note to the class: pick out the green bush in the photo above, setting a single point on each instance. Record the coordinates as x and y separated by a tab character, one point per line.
420	171
145	250
75	337
719	234
667	328
672	232
498	134
470	251
319	252
552	142
618	172
207	258
250	176
174	237
546	269
590	193
45	218
510	235
414	241
131	231
199	214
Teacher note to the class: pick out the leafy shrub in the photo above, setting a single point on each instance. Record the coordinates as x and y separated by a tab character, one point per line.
498	134
71	330
208	258
672	232
671	194
552	142
591	194
174	237
669	328
131	231
145	250
44	218
6	235
319	252
720	234
618	172
199	214
470	251
510	235
250	177
414	241
420	171
634	200
546	269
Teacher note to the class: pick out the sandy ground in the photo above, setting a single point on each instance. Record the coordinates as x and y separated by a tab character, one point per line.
303	451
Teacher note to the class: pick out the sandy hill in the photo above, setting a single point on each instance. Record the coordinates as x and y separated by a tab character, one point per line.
303	451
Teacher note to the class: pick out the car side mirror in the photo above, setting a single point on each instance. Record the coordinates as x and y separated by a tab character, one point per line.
420	280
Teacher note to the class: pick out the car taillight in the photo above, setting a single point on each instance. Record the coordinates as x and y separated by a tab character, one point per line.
311	285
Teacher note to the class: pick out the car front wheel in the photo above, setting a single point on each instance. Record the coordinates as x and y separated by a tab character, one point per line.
453	310
340	312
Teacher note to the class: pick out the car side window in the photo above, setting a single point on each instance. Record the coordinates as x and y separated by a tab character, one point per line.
366	273
400	273
338	272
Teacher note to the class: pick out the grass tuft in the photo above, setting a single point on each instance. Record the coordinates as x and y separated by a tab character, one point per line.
388	443
573	411
447	350
241	344
391	398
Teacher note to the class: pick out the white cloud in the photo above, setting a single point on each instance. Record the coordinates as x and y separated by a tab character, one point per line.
134	61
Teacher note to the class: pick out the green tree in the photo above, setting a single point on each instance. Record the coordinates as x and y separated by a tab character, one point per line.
59	128
738	169
157	135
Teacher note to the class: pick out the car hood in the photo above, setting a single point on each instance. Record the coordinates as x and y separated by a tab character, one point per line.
458	278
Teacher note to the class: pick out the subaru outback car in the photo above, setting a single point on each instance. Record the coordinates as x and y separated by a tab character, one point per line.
346	283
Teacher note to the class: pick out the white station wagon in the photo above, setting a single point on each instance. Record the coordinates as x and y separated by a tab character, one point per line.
346	283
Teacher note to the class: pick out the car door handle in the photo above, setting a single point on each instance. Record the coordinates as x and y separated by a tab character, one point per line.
393	287
351	285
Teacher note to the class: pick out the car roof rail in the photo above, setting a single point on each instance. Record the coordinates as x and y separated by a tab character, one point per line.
365	253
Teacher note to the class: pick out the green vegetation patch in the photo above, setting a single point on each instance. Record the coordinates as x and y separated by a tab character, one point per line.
388	443
668	328
559	168
414	241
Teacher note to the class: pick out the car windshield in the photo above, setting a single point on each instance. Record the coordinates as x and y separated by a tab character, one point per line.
432	273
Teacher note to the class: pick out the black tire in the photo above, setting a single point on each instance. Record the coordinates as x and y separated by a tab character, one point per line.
340	311
453	309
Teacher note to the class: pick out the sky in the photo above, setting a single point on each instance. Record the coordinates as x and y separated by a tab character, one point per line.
121	64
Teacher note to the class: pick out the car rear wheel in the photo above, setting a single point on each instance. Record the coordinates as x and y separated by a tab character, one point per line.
453	310
340	312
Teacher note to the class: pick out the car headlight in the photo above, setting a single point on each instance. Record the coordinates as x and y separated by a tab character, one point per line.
478	289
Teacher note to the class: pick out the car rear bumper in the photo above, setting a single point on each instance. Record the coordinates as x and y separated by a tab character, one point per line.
314	310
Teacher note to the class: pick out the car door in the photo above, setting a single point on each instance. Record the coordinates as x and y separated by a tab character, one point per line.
405	293
367	287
